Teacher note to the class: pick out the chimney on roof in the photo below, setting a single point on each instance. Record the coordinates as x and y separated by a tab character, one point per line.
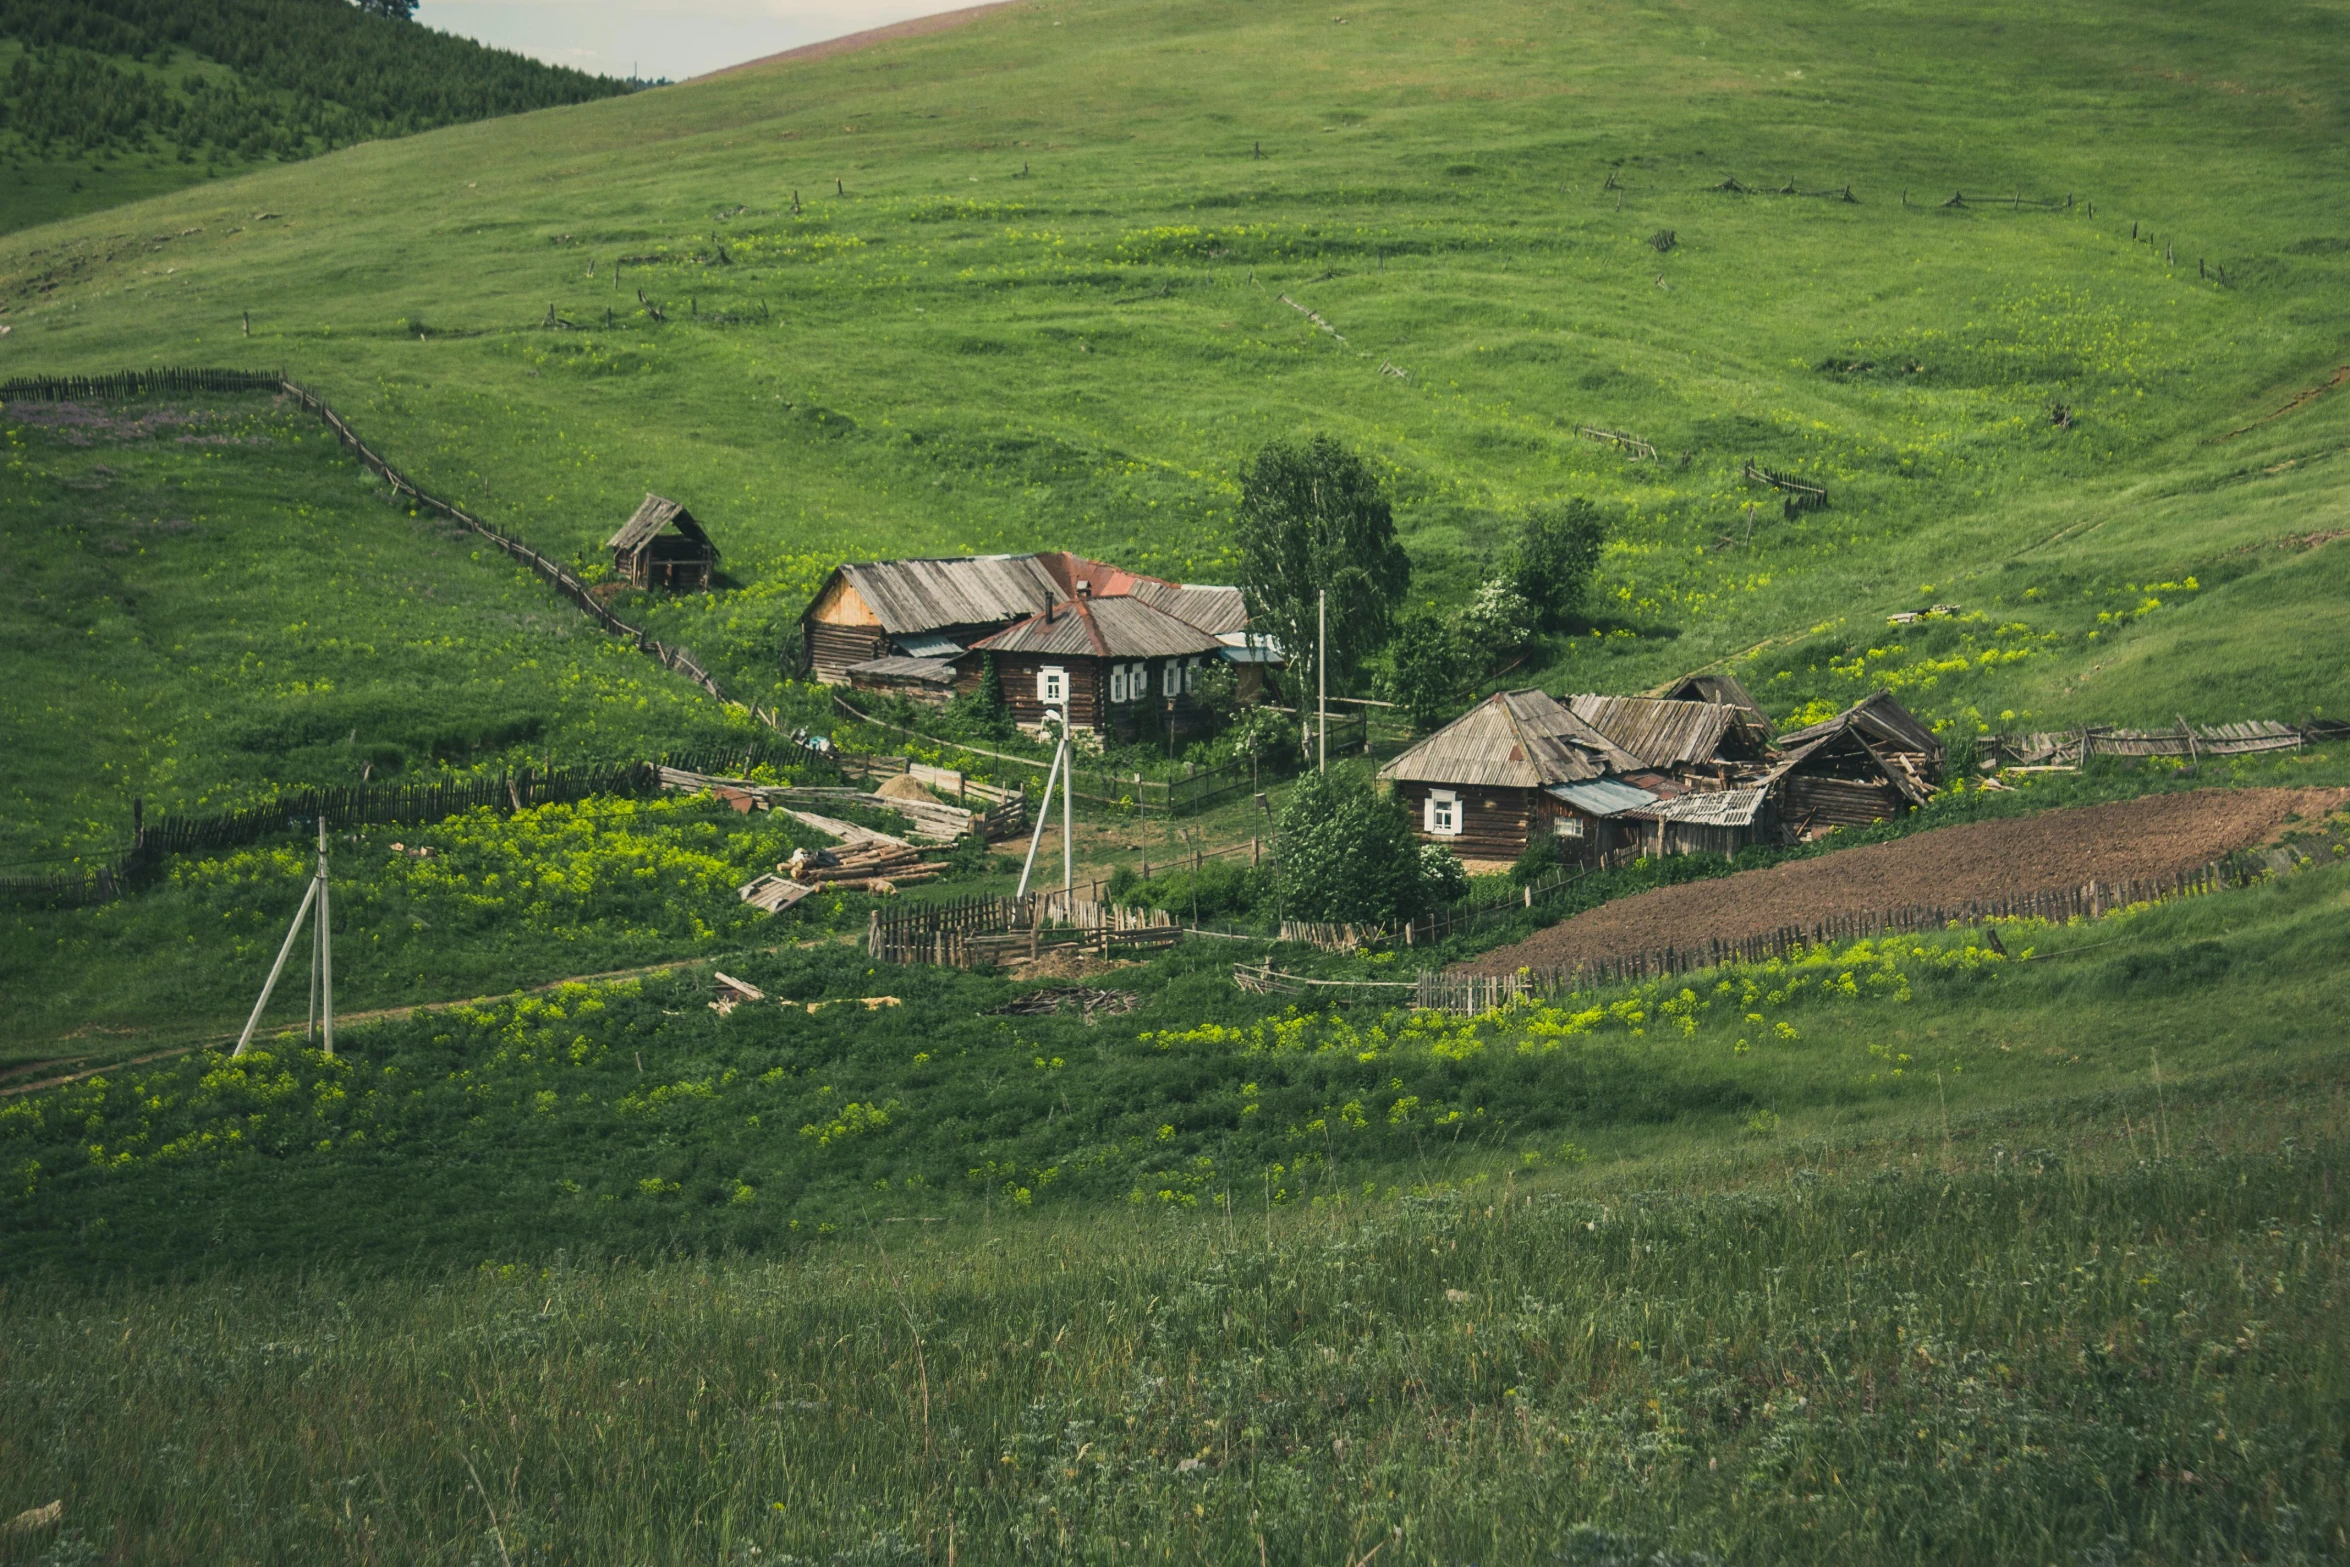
1048	606
1084	588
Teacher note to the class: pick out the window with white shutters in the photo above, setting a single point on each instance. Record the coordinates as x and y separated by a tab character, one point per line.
1117	682
1191	675
1441	813
1171	682
1052	685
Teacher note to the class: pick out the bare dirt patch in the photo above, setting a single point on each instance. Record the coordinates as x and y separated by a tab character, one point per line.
2158	835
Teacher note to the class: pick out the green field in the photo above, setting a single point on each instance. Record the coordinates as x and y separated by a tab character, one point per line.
1914	1251
1908	1251
1043	310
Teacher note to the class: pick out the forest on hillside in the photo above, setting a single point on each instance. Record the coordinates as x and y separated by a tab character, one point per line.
92	77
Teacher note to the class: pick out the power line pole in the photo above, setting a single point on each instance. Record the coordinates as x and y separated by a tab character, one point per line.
322	961
1322	674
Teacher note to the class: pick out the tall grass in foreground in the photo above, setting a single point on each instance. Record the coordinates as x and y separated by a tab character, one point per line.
2109	1334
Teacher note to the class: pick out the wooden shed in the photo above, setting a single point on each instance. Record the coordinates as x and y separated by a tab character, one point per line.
662	546
1869	762
1517	767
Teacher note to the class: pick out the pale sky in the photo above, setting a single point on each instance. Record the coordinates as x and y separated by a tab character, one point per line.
672	38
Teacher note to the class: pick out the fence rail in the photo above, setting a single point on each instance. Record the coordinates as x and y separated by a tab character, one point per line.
133	383
2089	900
975	932
2072	747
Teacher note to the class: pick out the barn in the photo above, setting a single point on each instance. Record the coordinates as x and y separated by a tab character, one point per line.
662	546
1515	768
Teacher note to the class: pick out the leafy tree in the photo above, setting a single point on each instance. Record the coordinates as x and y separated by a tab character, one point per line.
1426	669
397	10
1348	853
1497	620
1556	556
1442	874
1541	859
1312	519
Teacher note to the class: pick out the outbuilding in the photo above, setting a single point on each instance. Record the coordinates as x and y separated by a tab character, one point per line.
662	546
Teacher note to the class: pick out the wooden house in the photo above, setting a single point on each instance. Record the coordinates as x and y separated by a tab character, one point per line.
1869	762
936	608
662	546
1516	768
1117	666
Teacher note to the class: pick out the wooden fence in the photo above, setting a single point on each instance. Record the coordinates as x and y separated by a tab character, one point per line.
2087	901
557	575
2069	748
976	932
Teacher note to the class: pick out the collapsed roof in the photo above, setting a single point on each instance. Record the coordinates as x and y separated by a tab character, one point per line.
1513	740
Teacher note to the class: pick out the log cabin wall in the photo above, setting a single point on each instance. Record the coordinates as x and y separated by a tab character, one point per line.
1496	823
1835	802
831	649
1090	707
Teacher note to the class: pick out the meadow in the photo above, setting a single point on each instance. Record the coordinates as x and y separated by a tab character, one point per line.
1926	1249
1022	284
1909	1252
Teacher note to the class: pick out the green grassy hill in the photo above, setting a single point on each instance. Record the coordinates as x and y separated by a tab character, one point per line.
108	101
1022	283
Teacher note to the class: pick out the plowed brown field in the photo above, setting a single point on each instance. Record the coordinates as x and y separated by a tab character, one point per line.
2144	838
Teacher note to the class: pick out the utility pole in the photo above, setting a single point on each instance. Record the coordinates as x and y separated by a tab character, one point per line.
1322	674
322	961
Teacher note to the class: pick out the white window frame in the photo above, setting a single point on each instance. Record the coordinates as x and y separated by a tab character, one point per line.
1191	675
1567	826
1052	685
1118	683
1440	813
1171	678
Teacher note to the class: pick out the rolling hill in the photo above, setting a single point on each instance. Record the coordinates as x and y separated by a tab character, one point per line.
2065	357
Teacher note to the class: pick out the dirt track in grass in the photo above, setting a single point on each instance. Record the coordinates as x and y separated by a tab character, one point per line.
2158	835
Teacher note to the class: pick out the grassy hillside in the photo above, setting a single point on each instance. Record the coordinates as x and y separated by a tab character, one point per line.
1910	1252
108	101
1020	284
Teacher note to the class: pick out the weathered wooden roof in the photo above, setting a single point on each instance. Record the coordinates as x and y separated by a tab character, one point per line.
1102	628
914	596
655	514
1661	733
1214	610
1885	721
1710	807
1722	690
962	590
925	671
1516	740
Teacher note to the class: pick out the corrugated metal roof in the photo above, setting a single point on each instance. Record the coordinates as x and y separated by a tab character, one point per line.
1214	610
1711	808
1601	796
1661	733
651	517
963	590
1514	739
930	671
924	645
1104	628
